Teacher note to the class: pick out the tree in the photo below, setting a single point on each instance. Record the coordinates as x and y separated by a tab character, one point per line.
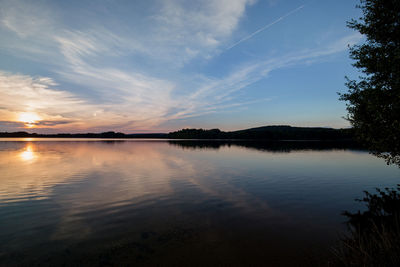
373	104
373	101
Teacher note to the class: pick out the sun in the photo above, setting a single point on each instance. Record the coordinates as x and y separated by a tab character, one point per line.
29	118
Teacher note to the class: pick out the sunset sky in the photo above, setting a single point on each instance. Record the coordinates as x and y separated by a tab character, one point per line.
162	65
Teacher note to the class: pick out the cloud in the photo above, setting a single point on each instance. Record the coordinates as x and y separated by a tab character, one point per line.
36	19
140	98
52	123
179	31
221	90
28	93
203	22
174	31
22	93
14	125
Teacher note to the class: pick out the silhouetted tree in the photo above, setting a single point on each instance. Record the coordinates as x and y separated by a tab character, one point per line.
374	111
373	102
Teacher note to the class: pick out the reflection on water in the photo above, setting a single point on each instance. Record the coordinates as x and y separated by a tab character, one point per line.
177	202
27	154
271	146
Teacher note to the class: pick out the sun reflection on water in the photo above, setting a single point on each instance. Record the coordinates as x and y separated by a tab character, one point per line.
28	154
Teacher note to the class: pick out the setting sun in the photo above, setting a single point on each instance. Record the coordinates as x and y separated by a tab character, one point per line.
29	118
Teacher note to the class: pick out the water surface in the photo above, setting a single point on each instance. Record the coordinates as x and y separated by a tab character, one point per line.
145	202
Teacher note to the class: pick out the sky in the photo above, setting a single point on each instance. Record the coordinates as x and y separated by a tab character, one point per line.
163	65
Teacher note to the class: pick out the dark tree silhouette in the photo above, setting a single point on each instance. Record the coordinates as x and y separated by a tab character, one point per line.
373	102
374	111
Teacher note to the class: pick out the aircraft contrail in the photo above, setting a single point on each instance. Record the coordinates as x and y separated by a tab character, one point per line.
264	27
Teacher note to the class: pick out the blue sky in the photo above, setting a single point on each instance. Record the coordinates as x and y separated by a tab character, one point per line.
156	66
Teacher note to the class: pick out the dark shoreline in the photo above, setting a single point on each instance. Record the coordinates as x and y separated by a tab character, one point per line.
269	133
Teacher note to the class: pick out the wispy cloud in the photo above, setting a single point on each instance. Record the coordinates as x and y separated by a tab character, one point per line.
174	33
247	74
37	19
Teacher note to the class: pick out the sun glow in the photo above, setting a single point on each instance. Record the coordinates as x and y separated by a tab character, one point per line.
29	118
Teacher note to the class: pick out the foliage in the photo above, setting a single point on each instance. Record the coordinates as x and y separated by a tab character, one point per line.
374	238
373	102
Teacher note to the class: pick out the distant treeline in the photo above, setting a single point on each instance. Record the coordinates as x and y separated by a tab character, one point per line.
268	133
84	135
264	133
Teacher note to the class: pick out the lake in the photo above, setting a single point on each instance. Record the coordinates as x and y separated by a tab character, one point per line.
171	202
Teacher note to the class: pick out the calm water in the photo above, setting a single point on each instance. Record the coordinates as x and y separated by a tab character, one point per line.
177	203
